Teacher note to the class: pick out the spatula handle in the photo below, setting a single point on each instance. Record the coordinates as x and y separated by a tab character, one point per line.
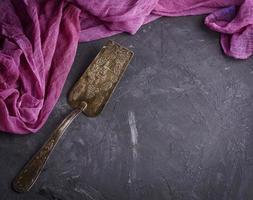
31	171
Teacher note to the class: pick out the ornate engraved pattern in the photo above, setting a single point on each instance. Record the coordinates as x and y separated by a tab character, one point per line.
99	80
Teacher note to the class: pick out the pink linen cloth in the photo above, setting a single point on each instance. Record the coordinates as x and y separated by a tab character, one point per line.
39	38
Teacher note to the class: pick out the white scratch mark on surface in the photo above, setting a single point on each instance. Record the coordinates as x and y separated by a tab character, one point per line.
81	141
134	141
83	191
178	89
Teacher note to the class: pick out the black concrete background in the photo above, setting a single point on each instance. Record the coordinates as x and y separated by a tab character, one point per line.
179	126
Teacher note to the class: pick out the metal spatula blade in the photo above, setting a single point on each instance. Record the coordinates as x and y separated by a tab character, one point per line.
100	79
89	95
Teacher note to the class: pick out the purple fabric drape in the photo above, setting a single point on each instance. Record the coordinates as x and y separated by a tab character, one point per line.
38	42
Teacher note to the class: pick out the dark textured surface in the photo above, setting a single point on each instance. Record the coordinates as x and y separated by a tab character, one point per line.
179	126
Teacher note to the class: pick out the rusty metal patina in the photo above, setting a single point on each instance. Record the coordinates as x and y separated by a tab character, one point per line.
98	82
89	95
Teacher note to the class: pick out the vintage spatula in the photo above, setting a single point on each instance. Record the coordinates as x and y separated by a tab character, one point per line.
89	95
